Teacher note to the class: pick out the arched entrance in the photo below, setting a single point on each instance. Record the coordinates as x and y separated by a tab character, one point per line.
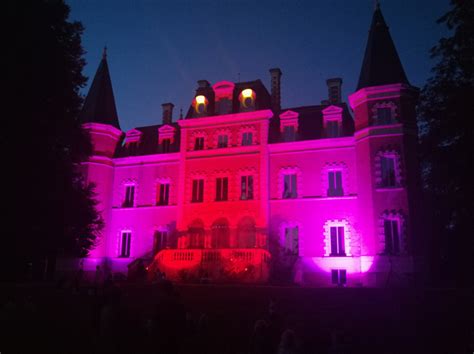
196	234
246	233
220	233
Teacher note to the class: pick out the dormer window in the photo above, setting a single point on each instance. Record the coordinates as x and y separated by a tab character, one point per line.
247	100
224	106
200	104
332	120
332	129
165	145
132	141
289	133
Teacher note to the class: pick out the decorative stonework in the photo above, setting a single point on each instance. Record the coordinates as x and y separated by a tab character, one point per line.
224	131
390	152
347	236
197	134
123	185
288	118
386	104
166	132
133	136
399	216
334	167
247	129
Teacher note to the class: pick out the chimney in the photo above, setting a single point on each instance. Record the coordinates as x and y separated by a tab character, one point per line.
167	112
334	89
203	83
275	88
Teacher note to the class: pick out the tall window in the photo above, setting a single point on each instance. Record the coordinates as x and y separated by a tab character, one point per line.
160	241
387	165
291	240
335	184
338	276
163	194
289	186
247	139
222	188
129	196
384	115
246	187
332	128
222	141
392	237
165	145
337	241
199	143
198	191
125	241
289	133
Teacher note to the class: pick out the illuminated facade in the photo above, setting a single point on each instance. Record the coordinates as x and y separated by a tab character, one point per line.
240	187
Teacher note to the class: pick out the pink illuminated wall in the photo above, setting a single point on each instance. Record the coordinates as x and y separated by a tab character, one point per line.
359	210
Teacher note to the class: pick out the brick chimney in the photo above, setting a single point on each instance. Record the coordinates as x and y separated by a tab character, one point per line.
275	88
203	84
334	89
167	113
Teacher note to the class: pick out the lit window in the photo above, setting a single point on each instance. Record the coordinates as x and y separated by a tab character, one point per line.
384	115
247	100
160	241
125	241
246	187
200	104
339	277
387	165
165	145
291	240
289	186
129	196
335	184
332	128
199	143
392	237
198	191
222	141
337	241
222	188
163	194
247	139
289	133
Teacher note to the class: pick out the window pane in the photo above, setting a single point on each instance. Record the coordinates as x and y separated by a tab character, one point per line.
341	241
218	188
395	237
243	188
333	241
195	191
201	190
342	276
286	186
339	183
293	186
331	181
225	188
334	276
250	187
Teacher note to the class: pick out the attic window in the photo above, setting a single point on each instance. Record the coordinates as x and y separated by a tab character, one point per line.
200	104
247	99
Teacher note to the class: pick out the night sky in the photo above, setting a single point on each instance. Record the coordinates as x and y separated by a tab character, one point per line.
157	50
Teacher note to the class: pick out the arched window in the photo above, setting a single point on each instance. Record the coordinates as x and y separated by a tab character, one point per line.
220	234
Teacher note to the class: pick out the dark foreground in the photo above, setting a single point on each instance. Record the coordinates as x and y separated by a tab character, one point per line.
225	319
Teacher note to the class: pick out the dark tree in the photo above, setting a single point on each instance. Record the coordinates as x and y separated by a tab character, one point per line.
54	209
446	114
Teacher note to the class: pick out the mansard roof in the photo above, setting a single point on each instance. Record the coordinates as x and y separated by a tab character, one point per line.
262	101
99	106
381	64
310	122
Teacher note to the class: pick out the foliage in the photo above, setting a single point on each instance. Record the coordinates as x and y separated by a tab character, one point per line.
445	113
44	78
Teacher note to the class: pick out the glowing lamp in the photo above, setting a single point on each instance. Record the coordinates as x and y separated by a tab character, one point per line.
247	93
247	98
200	103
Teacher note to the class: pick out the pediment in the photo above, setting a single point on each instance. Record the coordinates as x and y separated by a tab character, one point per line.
332	110
289	115
133	133
166	129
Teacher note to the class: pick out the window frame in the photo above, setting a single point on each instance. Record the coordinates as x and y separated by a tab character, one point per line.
125	247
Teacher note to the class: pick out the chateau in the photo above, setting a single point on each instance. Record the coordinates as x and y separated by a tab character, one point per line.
242	189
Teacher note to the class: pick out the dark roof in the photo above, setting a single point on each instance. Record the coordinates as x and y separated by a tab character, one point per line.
262	101
381	65
99	106
310	123
149	142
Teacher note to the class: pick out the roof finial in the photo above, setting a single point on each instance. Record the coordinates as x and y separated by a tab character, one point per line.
377	4
104	53
180	113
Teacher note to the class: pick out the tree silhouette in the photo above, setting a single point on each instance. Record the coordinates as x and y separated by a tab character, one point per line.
446	112
55	209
